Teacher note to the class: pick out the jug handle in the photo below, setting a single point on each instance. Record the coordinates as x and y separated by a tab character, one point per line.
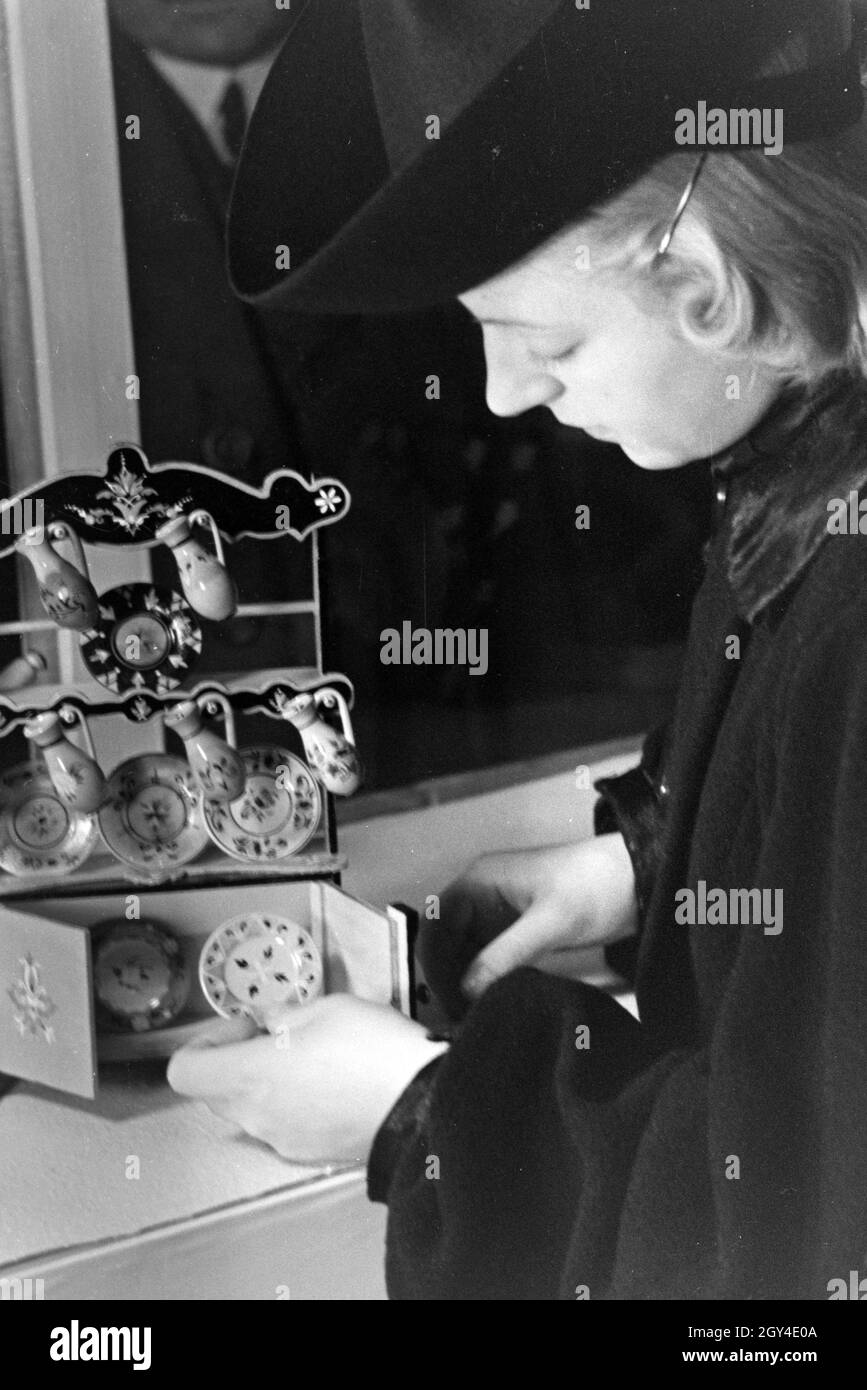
62	531
214	703
202	518
332	699
70	715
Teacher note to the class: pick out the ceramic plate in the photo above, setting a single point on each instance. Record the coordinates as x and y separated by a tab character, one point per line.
140	978
38	833
276	814
258	962
147	638
152	816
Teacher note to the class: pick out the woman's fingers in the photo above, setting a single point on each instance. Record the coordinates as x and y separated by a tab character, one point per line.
516	908
571	962
220	1031
542	928
471	914
225	1065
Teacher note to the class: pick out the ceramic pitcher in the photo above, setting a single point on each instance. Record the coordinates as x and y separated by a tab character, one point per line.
330	753
22	671
65	592
206	582
216	765
76	775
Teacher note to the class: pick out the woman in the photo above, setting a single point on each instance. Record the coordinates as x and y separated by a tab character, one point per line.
702	301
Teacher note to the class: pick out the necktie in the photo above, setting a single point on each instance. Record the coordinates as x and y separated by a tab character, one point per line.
233	114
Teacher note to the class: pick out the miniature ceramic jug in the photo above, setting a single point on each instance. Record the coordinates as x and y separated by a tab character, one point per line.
22	671
331	755
65	592
206	582
216	766
76	775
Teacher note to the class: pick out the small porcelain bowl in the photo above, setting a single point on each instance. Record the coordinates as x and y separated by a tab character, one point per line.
140	977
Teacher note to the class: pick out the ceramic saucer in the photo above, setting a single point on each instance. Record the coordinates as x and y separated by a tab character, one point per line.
258	962
39	834
152	815
276	814
147	638
140	977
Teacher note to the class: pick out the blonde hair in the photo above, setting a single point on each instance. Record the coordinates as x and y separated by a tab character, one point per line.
770	256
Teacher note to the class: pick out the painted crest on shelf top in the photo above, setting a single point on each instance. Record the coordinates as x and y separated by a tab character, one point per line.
130	499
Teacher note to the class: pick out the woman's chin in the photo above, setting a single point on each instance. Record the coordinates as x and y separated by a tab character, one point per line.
643	455
652	459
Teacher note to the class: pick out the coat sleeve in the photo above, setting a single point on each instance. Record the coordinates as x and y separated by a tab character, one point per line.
749	1180
480	1161
634	803
528	1166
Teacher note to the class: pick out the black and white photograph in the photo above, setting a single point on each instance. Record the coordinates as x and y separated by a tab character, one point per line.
433	667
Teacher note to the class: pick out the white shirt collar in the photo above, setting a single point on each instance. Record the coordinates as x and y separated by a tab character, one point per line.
201	87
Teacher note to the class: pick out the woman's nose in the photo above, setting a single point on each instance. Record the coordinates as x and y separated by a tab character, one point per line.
515	381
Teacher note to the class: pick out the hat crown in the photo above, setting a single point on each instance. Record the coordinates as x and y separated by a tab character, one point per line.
545	109
433	57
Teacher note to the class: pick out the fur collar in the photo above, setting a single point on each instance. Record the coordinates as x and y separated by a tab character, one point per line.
774	486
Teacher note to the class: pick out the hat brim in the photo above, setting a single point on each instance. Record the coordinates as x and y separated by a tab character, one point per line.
535	150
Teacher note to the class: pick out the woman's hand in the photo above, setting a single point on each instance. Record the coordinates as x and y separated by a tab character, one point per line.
319	1087
541	907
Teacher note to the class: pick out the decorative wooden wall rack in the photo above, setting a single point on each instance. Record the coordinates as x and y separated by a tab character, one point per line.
124	505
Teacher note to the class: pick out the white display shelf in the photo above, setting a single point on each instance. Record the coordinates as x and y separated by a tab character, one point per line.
102	872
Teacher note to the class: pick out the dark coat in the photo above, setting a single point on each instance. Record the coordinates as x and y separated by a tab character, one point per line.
717	1149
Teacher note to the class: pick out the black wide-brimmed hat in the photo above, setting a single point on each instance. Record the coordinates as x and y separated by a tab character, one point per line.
404	151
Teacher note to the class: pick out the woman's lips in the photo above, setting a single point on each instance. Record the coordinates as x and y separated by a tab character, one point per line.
596	431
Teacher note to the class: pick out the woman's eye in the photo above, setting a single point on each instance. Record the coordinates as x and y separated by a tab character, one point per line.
564	355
